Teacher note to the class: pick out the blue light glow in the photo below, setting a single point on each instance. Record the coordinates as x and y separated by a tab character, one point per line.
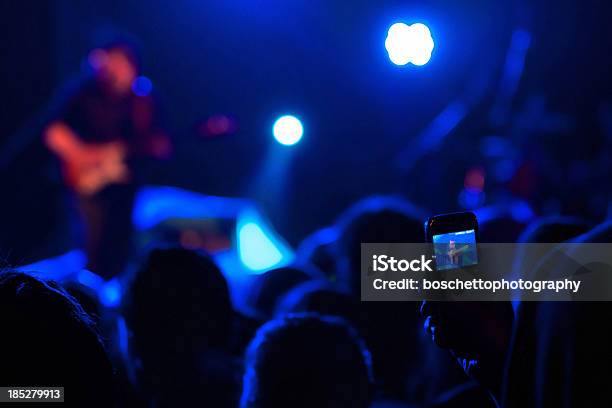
259	248
495	146
287	130
123	334
156	204
256	250
471	199
90	279
142	86
110	294
409	44
521	211
60	267
504	170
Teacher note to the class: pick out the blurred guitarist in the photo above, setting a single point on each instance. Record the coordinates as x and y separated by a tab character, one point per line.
105	130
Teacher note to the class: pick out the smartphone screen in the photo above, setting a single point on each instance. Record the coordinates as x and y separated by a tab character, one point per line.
455	249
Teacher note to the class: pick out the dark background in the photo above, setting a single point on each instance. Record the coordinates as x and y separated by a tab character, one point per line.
325	62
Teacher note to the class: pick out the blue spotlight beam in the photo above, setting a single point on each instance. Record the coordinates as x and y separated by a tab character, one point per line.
511	76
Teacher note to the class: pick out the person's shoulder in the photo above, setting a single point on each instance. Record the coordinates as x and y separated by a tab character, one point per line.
600	234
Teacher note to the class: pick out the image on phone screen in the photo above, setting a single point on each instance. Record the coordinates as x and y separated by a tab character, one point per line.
455	249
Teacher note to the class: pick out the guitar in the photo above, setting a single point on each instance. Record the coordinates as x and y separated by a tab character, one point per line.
458	251
87	168
454	253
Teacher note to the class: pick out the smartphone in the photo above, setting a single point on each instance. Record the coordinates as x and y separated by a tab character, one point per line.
454	237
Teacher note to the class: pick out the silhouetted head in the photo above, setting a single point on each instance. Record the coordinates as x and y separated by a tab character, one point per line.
398	364
307	361
477	334
374	219
86	297
548	337
318	249
572	365
554	230
48	340
322	298
500	229
178	306
545	230
268	288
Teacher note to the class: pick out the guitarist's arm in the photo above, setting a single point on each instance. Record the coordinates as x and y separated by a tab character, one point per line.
87	168
63	141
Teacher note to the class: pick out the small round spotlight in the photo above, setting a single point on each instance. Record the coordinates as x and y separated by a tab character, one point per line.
142	86
409	43
287	130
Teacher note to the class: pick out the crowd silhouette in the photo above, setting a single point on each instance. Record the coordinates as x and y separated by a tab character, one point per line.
309	341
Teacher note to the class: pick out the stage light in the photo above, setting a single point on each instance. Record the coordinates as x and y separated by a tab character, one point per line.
90	279
142	86
259	247
474	179
471	199
256	250
521	211
218	125
110	293
57	268
409	44
287	130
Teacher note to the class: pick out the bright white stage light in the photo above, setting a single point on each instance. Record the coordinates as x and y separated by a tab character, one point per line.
287	130
409	43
